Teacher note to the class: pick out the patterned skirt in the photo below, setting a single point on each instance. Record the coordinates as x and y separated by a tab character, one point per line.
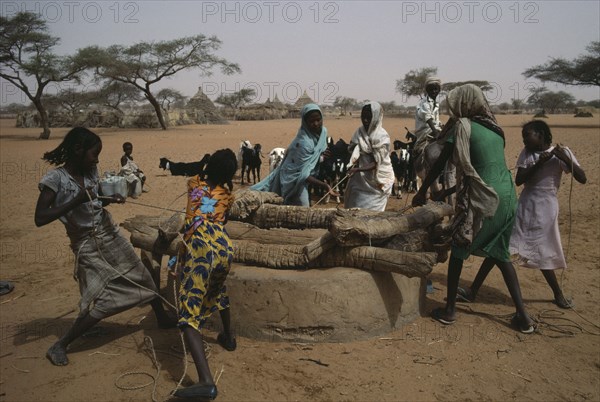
205	263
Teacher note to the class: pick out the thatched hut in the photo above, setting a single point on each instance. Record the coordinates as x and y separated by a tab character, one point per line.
202	110
300	103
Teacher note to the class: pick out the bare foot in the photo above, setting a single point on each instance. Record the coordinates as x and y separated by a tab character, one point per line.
57	354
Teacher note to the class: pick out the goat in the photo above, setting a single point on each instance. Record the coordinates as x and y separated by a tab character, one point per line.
246	144
185	168
405	171
275	158
251	161
334	165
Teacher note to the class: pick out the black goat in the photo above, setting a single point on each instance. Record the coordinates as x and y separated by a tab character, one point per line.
334	166
251	161
185	168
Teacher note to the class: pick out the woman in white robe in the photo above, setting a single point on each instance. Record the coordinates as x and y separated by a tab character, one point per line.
371	172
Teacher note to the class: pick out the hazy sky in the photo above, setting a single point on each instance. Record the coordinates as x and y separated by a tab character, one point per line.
350	48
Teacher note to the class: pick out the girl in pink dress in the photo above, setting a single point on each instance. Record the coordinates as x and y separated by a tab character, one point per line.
535	237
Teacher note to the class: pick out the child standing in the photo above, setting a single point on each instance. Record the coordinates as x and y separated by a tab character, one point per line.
205	263
535	238
111	277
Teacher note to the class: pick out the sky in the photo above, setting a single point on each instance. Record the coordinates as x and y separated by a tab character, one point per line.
356	49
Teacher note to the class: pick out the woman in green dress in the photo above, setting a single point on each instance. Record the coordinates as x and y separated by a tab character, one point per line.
486	199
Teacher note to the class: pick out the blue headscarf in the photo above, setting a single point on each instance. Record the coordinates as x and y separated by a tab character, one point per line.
301	159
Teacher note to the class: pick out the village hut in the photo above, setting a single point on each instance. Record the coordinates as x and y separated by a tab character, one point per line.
300	103
202	110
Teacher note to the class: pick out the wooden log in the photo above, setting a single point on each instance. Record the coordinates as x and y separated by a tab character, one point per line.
294	256
351	228
292	217
378	259
269	255
246	231
246	202
318	246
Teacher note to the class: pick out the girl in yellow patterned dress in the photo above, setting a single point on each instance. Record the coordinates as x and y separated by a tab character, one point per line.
205	263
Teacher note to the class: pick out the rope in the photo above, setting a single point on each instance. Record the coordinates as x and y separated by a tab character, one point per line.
333	188
145	205
149	345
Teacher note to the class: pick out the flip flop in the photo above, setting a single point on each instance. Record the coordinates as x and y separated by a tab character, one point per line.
197	391
461	295
6	287
516	322
438	315
569	304
229	345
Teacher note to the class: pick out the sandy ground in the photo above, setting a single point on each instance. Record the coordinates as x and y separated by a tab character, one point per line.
478	358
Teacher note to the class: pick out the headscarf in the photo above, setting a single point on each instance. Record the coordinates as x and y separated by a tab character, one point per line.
372	141
468	101
432	80
301	158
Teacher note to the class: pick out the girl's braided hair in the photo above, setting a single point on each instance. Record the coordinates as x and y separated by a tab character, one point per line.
66	150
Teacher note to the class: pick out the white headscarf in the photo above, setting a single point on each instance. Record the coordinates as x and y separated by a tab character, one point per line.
375	141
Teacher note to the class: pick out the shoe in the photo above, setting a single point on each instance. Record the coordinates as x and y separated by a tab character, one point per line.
199	391
438	315
6	287
515	321
230	345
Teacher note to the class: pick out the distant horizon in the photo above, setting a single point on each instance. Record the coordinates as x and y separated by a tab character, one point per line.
356	49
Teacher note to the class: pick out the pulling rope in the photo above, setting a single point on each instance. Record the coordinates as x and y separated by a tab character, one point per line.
333	188
101	197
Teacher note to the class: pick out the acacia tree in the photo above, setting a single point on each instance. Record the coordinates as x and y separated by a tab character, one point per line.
71	101
548	100
237	99
116	94
168	97
583	70
413	83
146	63
344	103
26	56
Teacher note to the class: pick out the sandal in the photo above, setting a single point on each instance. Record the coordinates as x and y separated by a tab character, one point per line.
462	295
438	315
524	328
6	287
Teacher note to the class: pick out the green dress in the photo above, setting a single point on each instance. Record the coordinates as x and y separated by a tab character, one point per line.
487	157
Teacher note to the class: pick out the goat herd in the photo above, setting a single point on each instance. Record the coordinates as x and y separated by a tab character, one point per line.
332	169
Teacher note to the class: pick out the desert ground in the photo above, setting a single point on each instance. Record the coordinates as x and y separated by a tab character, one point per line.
479	358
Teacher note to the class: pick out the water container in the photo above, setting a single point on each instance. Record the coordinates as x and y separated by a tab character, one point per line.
112	185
